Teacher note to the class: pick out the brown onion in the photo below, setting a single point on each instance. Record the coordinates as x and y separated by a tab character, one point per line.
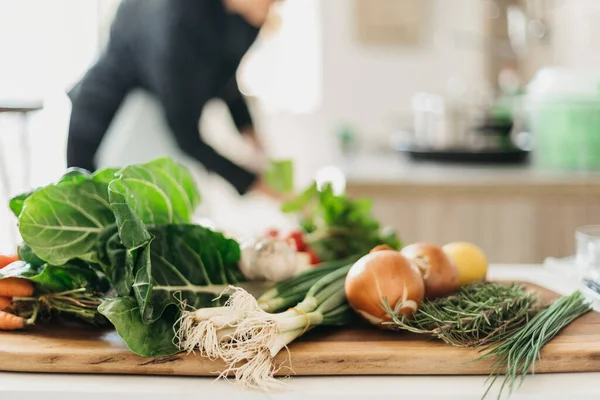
384	274
439	272
381	247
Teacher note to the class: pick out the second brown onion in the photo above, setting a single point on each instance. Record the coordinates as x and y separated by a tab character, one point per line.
439	273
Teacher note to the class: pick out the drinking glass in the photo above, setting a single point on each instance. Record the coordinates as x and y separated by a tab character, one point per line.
587	257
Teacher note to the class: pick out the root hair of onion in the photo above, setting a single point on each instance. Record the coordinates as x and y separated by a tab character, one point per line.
207	329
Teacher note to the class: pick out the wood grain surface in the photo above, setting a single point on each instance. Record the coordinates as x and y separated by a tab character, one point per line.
348	351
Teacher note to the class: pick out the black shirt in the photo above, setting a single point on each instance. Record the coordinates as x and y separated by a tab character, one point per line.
184	52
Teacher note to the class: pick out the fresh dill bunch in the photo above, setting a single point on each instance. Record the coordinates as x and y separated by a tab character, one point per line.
478	314
516	356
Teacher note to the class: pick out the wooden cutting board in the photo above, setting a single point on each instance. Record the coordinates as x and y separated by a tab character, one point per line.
357	351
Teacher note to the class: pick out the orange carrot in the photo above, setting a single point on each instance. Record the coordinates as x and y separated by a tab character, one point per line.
5	260
10	322
15	287
5	302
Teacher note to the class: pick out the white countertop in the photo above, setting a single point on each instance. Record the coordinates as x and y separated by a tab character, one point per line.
394	168
26	386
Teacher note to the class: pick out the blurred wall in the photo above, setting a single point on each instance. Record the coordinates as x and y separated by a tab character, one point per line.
576	33
371	86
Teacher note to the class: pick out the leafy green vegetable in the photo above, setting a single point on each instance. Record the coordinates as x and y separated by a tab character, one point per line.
16	203
52	279
187	263
338	227
148	340
131	229
135	225
116	260
62	221
72	175
302	201
159	192
184	262
26	254
280	176
105	175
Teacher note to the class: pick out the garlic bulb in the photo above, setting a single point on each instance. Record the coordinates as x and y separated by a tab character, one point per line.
269	259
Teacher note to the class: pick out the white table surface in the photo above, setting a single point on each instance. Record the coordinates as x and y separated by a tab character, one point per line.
28	386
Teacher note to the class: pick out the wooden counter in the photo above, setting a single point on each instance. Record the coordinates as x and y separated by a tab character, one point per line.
516	213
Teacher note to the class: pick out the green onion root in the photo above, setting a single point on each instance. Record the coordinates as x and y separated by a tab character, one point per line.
248	338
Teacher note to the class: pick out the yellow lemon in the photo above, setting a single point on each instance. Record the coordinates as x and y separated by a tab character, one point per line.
470	261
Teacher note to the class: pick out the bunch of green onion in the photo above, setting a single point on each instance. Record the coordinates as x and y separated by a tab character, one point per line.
248	338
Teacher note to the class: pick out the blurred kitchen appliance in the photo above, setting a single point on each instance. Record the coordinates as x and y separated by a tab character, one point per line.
454	132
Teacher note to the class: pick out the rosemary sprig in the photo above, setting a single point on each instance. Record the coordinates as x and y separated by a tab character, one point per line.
516	355
479	314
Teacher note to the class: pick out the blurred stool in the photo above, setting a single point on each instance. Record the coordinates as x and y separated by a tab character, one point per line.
22	110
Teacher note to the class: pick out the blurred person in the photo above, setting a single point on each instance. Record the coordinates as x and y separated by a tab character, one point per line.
184	53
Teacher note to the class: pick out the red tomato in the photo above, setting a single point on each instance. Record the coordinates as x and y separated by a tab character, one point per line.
298	238
314	259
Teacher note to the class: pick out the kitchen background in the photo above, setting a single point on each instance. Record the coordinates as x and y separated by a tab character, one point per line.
474	120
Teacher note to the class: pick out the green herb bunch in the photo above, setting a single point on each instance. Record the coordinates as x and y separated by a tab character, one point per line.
479	314
336	226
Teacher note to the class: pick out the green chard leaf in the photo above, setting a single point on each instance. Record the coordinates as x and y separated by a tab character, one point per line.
71	175
187	263
62	221
159	192
26	254
184	262
134	224
53	279
131	229
105	175
16	203
116	260
147	340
